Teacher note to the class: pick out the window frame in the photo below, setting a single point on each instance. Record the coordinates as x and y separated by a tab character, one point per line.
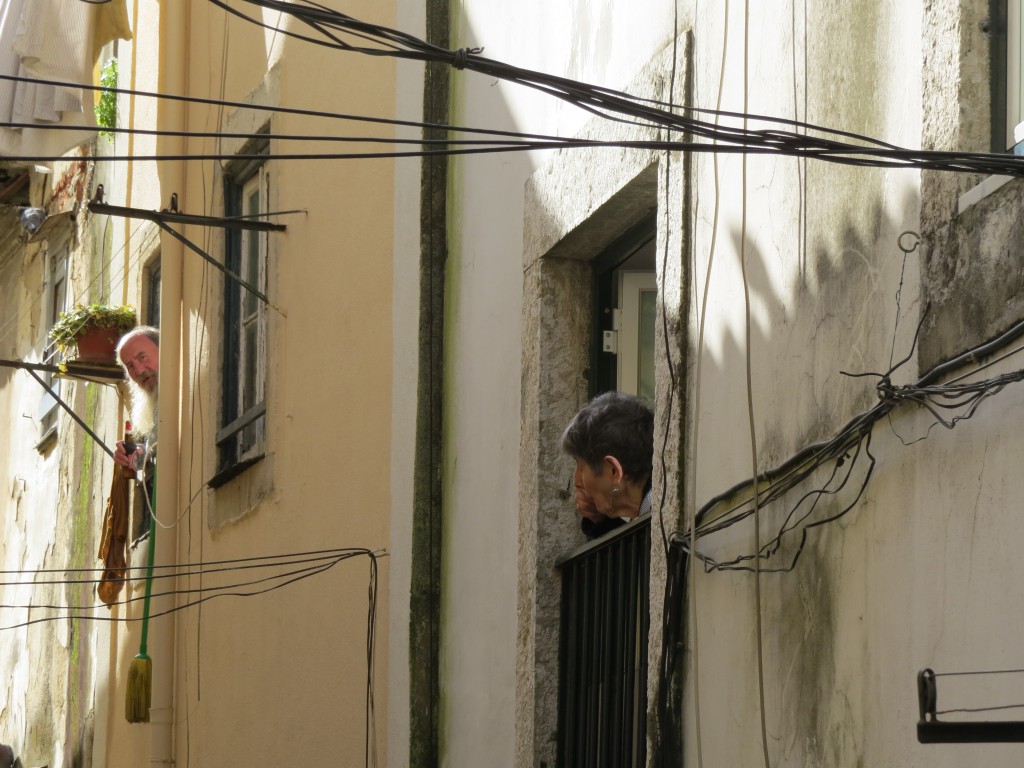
56	280
1006	54
241	437
638	291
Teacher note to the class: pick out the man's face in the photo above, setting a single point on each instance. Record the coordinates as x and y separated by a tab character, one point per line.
141	358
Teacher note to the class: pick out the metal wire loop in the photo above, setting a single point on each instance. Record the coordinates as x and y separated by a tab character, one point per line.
912	248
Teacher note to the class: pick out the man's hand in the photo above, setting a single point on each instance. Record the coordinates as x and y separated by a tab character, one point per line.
125	459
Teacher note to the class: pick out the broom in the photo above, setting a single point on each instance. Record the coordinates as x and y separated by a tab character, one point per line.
139	690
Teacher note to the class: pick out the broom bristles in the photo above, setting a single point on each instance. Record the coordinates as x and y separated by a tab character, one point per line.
139	691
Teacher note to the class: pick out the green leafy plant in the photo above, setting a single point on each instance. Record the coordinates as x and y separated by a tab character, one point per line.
106	108
74	320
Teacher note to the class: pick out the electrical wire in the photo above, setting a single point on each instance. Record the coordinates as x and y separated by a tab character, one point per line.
669	660
981	709
312	563
932	398
333	27
1009	165
846	448
748	365
511	140
299	567
290	578
198	353
691	564
980	672
371	628
221	103
183	569
613	105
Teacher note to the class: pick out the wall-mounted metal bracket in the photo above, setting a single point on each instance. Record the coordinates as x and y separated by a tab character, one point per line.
931	730
70	411
171	215
98	372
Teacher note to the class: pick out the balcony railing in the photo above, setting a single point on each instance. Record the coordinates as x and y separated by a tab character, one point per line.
602	708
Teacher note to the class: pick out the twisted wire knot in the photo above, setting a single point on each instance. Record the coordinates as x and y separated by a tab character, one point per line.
460	58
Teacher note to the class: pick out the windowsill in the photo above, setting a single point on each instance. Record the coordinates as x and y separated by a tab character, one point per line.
229	473
981	191
47	440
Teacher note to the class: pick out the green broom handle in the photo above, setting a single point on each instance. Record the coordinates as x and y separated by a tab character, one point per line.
149	573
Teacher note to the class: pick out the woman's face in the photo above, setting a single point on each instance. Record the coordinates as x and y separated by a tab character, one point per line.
597	487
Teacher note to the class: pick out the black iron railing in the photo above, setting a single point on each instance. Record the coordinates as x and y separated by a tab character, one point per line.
602	708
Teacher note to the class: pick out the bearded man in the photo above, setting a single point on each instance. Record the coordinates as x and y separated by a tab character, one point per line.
139	353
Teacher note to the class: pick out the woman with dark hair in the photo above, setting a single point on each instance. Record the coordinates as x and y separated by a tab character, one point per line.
612	441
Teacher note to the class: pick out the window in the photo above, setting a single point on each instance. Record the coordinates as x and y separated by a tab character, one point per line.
240	441
577	242
152	313
604	616
626	291
1014	120
1007	61
54	304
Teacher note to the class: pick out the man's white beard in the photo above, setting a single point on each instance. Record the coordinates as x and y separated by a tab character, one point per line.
143	410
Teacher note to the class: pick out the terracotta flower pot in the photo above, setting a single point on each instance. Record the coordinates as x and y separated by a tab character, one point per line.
92	331
96	345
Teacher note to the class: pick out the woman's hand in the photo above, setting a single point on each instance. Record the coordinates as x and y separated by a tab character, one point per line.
585	506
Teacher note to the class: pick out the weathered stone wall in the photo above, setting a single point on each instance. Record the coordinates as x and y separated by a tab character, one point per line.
972	253
49	710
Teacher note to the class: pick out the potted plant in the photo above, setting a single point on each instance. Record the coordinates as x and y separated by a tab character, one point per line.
92	331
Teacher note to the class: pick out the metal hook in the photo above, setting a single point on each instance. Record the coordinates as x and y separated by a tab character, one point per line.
911	249
927	695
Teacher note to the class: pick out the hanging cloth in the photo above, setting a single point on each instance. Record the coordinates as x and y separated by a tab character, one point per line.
114	539
111	24
53	40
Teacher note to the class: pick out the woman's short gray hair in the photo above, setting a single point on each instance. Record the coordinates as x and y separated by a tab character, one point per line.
613	424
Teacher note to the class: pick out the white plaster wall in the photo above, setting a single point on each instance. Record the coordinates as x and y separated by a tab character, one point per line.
822	269
920	572
30	488
607	43
821	256
898	584
52	703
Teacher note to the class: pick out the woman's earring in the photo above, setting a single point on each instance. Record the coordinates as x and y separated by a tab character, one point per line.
616	489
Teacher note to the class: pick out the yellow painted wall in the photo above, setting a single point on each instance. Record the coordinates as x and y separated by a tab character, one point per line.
279	678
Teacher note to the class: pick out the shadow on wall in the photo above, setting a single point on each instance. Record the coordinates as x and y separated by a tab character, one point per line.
838	314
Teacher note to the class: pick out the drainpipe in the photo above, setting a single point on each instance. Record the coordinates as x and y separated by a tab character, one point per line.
172	78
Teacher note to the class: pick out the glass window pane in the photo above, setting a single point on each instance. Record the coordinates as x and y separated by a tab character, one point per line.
645	364
249	361
251	271
153	296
